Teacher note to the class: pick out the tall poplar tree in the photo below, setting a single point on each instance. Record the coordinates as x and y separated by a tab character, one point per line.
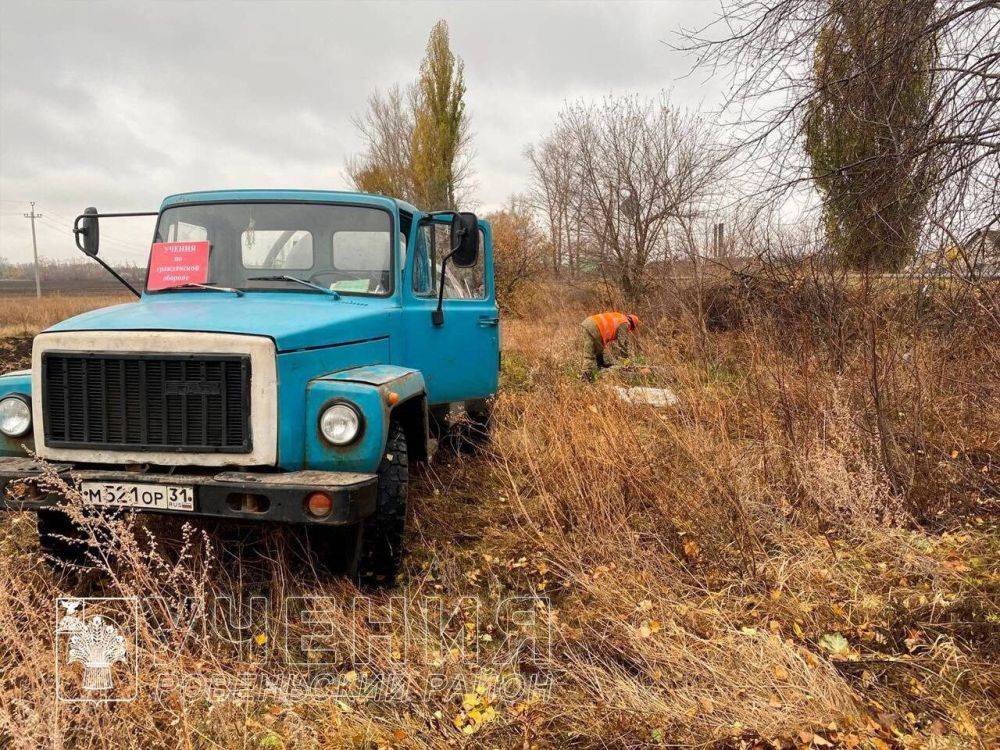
417	139
441	128
866	127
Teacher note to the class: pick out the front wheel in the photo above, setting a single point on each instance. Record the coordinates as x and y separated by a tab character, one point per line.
381	552
371	552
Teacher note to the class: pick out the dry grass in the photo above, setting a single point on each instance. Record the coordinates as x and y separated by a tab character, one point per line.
740	570
26	316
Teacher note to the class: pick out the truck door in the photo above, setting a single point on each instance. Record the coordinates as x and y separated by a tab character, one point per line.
460	359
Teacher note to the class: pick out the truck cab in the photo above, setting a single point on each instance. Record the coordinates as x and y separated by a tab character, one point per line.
291	354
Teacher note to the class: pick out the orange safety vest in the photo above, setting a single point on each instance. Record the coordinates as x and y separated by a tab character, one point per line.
607	324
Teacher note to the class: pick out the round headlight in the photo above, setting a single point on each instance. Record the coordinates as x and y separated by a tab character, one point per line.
340	423
15	416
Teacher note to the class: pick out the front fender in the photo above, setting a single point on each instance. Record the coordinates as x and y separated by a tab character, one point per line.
376	390
18	382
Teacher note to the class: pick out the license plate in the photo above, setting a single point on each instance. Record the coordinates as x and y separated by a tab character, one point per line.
155	496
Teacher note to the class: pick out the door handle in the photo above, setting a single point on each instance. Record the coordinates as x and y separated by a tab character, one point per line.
486	321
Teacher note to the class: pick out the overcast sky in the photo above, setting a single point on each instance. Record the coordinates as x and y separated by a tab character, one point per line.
116	105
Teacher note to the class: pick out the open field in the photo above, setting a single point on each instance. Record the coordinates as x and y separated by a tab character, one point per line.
764	565
26	316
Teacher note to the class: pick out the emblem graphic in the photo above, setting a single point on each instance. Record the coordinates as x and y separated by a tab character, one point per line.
94	641
97	644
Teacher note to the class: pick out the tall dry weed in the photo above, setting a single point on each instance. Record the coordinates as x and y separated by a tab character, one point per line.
26	316
741	568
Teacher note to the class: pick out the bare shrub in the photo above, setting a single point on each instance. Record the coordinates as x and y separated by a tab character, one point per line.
518	250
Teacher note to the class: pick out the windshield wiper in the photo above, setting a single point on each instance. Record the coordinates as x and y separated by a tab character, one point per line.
210	287
303	282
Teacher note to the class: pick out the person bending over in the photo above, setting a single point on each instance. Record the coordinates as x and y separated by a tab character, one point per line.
606	339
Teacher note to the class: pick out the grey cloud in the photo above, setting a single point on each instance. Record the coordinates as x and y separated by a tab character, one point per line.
119	104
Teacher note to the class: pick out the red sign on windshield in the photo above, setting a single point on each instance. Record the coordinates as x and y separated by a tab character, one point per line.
177	263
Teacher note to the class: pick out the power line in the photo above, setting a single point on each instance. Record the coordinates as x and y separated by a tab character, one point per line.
69	222
52	221
34	247
121	246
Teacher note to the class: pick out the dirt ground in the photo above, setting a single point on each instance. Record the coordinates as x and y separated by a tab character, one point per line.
15	353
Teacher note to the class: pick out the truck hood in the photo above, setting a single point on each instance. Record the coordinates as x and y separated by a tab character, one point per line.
294	320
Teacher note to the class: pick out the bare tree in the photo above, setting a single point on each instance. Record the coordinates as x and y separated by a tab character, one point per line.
519	247
387	127
555	193
641	167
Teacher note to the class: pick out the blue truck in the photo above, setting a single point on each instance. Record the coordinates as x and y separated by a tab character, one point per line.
331	339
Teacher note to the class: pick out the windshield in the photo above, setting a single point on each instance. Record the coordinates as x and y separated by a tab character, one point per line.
344	248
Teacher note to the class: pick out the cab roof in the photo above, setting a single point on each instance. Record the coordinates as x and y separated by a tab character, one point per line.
312	196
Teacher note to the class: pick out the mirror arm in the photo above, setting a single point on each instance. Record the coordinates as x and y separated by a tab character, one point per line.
118	276
76	224
77	233
437	317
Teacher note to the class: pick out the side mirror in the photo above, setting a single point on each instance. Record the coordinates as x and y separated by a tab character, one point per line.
87	236
88	230
464	239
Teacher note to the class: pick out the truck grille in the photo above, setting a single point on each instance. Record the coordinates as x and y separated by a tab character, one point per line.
147	402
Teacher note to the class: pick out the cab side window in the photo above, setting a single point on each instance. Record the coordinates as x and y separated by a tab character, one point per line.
405	224
433	243
423	284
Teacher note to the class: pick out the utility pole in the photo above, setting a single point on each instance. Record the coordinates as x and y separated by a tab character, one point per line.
34	247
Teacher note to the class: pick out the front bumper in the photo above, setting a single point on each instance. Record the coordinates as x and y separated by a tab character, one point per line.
277	497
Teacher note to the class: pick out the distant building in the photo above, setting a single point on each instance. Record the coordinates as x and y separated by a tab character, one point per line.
984	242
982	249
979	254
